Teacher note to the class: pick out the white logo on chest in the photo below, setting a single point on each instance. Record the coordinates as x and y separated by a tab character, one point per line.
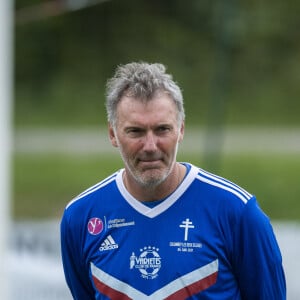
187	224
148	263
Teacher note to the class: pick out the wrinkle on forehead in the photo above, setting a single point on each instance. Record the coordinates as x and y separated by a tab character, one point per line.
158	110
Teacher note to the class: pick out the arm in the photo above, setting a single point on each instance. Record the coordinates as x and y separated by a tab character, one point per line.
76	274
257	260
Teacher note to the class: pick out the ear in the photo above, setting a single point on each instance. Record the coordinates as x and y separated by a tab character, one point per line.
112	136
181	133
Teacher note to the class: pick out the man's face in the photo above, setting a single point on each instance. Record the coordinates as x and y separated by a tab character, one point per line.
147	134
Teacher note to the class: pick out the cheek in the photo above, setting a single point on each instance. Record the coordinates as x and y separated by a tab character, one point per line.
129	148
166	148
173	148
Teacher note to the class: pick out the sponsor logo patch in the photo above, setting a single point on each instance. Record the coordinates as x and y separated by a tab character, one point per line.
95	226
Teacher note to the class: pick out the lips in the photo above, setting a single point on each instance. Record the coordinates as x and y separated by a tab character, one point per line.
149	161
150	164
149	158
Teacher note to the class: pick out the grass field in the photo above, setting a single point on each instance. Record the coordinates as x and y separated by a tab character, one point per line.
44	184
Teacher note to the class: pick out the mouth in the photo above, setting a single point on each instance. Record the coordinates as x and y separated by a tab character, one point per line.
150	163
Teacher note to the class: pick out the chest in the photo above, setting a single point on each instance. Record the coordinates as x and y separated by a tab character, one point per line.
180	247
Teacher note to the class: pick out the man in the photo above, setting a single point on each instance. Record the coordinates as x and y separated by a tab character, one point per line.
160	229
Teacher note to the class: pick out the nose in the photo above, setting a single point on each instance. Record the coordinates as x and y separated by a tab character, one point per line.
150	142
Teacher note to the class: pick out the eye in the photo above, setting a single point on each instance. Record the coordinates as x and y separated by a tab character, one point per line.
163	129
134	132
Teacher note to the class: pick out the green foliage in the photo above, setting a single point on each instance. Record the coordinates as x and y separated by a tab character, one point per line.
238	63
245	54
44	184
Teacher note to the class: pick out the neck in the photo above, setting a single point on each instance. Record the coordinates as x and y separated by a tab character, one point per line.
158	192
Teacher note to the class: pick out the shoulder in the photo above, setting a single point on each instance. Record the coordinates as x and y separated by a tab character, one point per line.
222	187
86	206
88	197
231	202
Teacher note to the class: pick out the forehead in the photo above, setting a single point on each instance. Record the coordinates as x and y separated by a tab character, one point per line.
160	109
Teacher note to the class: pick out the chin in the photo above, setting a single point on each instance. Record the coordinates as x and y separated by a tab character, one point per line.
151	183
152	180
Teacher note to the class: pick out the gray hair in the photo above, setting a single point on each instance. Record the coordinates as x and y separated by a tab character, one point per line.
142	81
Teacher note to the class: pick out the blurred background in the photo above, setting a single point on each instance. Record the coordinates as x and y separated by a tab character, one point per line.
238	64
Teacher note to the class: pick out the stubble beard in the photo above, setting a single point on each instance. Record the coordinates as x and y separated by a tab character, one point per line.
148	178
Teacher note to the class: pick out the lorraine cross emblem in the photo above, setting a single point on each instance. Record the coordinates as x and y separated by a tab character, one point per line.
187	224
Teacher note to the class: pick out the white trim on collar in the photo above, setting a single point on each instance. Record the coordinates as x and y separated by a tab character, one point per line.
160	208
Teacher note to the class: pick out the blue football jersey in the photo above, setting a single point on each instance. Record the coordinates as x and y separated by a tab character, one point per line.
207	240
